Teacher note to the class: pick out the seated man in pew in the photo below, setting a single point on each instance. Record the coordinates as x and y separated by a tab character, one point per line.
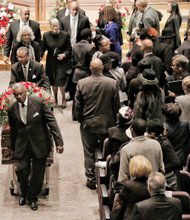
158	205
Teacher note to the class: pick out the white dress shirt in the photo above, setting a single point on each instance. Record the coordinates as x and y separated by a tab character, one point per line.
23	110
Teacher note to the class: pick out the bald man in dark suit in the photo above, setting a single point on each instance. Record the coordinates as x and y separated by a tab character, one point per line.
158	206
82	22
65	11
96	106
29	120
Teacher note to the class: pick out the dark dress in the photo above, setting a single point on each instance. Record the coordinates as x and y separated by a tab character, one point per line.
174	24
56	44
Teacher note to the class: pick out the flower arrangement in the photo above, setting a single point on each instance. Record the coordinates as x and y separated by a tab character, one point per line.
7	14
7	99
59	5
124	11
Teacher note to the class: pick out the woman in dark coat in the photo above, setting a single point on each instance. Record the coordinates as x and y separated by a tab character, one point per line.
134	190
25	38
57	43
174	22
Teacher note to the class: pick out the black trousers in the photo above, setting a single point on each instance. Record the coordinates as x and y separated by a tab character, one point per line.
30	173
90	142
71	86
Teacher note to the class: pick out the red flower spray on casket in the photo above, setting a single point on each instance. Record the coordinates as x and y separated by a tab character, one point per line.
7	98
7	13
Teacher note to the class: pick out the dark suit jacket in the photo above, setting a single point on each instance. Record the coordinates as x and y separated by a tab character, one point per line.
35	132
150	19
156	64
97	103
132	192
156	208
165	53
34	44
36	74
13	31
82	54
179	136
83	22
61	13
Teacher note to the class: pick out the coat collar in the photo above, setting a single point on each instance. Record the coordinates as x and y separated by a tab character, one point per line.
30	71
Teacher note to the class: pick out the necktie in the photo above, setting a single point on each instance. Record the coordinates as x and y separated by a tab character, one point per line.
23	112
25	73
73	31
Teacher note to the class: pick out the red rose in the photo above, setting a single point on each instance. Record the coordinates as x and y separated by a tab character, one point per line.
37	89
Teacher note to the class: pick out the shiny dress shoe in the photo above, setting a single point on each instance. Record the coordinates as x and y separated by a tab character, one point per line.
33	206
22	200
91	185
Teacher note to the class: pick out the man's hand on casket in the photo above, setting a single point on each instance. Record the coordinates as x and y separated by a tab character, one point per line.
59	149
12	153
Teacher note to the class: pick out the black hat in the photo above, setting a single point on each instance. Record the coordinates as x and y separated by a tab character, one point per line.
105	58
155	126
167	33
148	77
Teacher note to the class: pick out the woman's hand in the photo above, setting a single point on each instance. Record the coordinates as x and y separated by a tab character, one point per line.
61	56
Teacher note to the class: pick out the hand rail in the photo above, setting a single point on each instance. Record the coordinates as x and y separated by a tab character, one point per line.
15	2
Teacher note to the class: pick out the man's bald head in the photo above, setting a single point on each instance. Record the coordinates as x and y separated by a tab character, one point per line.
96	66
147	45
74	8
25	14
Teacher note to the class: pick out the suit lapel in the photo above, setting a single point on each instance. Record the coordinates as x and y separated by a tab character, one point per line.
16	111
64	11
69	25
31	25
30	109
79	23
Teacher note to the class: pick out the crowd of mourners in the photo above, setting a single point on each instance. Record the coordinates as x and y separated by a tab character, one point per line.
151	128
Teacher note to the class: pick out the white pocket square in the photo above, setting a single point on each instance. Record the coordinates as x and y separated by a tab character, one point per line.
36	114
33	76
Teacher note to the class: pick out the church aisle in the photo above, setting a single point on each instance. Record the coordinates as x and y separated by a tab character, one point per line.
68	199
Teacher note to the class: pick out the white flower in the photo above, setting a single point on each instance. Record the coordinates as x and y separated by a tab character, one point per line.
4	14
10	6
15	15
3	31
